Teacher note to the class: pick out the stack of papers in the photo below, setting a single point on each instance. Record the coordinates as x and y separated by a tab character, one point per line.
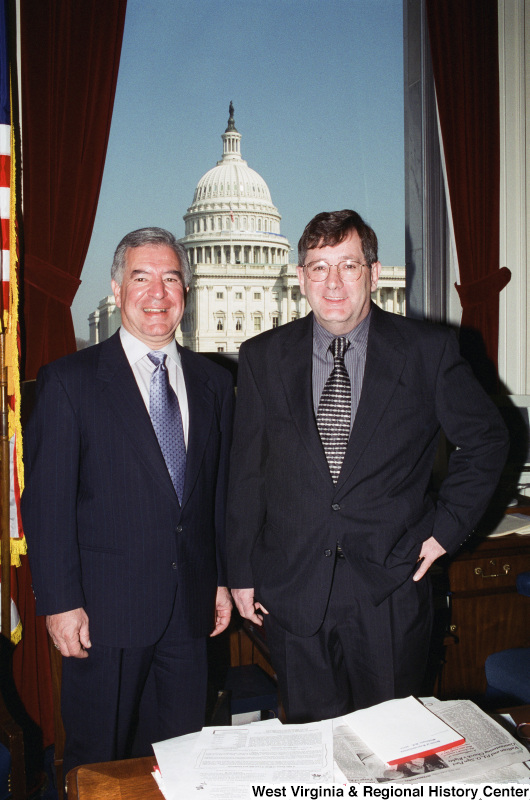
401	740
512	523
222	762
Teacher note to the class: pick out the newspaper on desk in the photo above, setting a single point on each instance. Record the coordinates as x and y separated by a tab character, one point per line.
221	763
490	753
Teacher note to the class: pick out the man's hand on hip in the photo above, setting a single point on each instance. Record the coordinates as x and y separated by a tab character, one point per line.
430	551
223	610
69	632
244	600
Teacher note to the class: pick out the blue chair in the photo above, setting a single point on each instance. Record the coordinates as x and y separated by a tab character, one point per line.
5	770
12	774
508	672
12	770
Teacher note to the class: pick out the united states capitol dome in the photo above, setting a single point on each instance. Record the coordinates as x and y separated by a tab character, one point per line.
232	188
242	282
232	178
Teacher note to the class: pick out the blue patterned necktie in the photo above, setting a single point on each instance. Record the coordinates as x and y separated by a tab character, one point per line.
165	415
334	409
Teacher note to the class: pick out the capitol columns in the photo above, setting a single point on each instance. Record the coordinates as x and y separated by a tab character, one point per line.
248	289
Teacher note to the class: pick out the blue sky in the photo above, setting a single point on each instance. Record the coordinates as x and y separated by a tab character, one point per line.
317	87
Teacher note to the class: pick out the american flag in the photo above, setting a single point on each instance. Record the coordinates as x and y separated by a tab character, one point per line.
5	155
9	294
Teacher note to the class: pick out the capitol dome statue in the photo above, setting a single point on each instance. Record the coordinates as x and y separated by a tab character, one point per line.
242	280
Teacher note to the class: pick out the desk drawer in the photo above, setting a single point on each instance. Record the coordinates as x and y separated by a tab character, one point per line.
486	574
486	613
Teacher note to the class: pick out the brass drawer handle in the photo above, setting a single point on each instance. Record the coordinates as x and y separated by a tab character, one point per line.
505	570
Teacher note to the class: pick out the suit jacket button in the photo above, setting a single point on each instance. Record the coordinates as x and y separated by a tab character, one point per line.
179	528
328	553
173	565
335	507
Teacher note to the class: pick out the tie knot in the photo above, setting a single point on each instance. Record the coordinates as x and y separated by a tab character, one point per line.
339	346
157	357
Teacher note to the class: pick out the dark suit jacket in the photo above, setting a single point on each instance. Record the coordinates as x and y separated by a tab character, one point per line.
103	523
285	515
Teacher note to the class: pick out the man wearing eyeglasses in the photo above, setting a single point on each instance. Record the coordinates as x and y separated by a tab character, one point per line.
332	528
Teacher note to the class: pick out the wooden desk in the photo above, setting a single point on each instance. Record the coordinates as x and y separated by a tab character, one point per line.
519	713
486	612
114	780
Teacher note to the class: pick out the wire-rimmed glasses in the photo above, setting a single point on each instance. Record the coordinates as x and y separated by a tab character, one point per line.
348	270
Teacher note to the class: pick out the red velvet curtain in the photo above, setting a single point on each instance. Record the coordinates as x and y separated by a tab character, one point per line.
69	68
464	45
70	59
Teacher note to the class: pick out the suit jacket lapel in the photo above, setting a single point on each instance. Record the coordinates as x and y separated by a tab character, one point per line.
297	354
384	365
120	390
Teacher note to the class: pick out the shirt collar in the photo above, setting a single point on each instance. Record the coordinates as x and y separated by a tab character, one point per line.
135	349
358	337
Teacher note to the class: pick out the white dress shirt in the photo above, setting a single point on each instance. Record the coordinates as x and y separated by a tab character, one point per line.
142	367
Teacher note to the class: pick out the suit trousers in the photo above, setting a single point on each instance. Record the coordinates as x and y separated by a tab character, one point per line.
117	702
361	655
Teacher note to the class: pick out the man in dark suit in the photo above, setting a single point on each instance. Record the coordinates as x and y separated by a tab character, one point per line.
331	525
125	525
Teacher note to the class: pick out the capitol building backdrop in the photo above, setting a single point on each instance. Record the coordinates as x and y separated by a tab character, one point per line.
242	279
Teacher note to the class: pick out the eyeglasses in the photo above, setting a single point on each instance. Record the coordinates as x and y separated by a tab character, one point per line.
349	270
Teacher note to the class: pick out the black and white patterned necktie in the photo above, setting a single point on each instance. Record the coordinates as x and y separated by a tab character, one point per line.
334	409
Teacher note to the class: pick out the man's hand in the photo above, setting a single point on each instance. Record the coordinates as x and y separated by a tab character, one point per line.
430	551
223	610
244	600
69	632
